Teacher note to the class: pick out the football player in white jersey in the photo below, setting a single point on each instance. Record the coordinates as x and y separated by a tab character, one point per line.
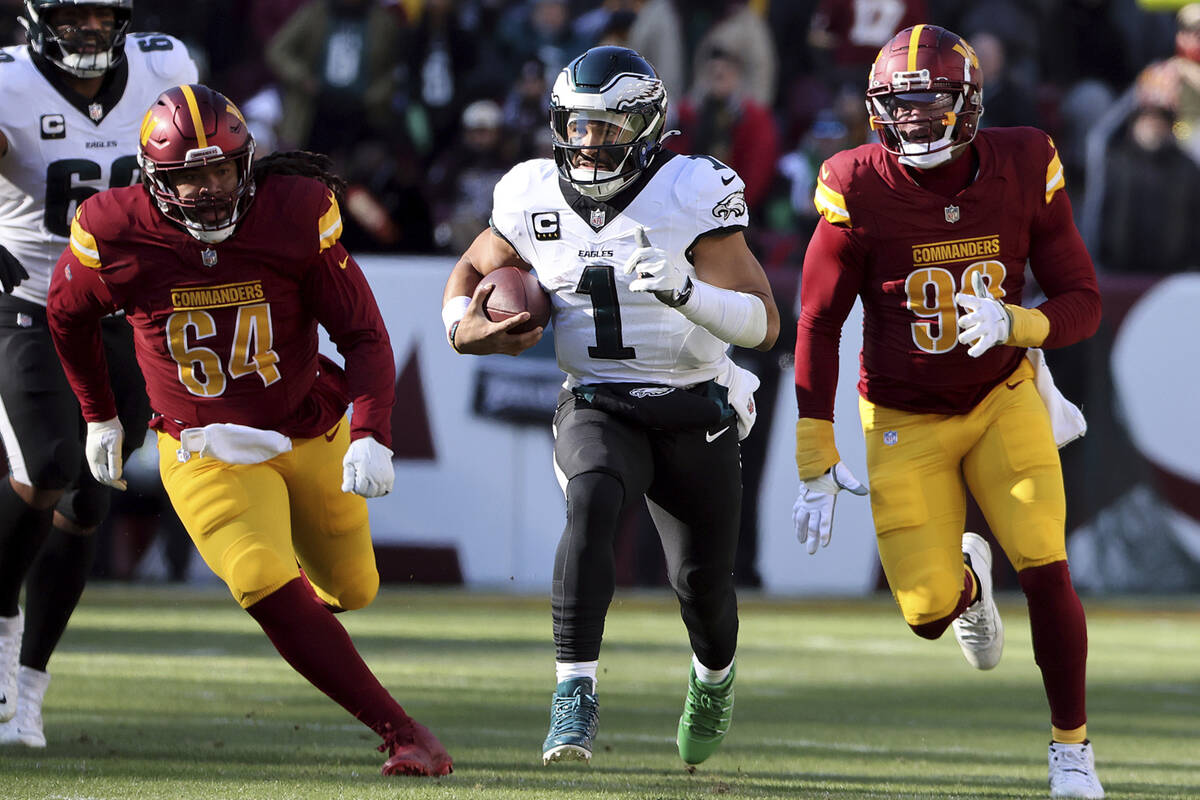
73	102
650	280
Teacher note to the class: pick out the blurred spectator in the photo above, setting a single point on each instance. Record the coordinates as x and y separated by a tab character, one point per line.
462	178
525	113
1175	82
1083	29
442	60
1151	200
336	61
828	135
848	34
386	208
1015	23
539	30
1007	100
1078	111
658	35
721	118
741	30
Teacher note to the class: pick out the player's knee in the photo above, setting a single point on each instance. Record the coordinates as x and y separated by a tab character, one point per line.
698	585
256	572
355	585
85	507
594	499
929	608
55	472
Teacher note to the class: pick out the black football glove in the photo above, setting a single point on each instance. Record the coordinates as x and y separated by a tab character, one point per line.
11	271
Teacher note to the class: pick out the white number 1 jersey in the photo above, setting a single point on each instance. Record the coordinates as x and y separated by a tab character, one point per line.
603	332
62	148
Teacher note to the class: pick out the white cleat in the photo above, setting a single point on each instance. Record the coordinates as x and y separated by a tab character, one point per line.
1073	772
11	629
26	727
979	631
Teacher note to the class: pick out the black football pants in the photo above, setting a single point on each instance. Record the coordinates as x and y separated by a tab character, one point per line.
692	484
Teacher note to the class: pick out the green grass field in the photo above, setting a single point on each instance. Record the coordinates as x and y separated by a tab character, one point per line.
176	694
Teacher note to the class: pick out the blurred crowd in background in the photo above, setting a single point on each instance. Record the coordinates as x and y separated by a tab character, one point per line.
425	104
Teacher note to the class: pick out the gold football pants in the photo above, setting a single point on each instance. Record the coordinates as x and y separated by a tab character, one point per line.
920	466
256	524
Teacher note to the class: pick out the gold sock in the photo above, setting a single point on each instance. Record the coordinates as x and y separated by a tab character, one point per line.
1073	736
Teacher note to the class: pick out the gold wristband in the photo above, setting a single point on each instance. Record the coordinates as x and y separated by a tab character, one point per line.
815	449
1029	327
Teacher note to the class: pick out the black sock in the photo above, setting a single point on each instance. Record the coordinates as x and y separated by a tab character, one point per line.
53	587
23	528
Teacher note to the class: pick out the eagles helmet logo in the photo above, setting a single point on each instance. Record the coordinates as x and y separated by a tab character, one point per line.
734	205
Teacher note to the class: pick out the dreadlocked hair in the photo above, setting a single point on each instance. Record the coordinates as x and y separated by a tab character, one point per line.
303	163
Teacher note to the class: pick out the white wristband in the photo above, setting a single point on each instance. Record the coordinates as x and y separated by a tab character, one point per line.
734	317
454	310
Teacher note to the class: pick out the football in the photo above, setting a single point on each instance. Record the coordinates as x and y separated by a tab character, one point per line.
516	290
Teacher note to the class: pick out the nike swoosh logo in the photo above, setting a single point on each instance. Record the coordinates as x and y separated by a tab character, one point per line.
1015	384
343	262
712	437
727	181
329	436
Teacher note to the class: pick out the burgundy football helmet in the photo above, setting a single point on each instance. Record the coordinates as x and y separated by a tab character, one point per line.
194	126
925	95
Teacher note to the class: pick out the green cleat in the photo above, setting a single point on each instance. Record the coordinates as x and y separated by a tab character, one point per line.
707	712
574	717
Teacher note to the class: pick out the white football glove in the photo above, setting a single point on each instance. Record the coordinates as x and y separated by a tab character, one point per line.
813	511
988	322
367	468
103	452
655	271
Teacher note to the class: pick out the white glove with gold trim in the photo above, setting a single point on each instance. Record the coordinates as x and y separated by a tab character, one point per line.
988	323
812	513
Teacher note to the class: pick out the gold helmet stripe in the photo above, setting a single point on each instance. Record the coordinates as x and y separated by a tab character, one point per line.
913	41
194	110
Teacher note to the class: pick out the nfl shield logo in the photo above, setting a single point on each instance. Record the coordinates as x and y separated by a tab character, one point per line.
598	217
952	214
208	256
96	112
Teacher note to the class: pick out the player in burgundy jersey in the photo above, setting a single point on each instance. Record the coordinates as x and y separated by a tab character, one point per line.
932	228
224	270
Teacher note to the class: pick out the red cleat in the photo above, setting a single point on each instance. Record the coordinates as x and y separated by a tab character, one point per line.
414	750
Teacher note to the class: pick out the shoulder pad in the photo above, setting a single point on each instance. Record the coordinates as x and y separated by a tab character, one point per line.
716	192
165	57
829	197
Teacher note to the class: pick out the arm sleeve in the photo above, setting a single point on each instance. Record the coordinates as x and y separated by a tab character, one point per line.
343	303
833	269
1064	270
77	300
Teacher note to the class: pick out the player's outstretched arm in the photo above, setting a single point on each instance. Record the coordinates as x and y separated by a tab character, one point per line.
467	327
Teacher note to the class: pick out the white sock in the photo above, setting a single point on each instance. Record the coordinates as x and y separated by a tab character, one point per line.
566	670
712	676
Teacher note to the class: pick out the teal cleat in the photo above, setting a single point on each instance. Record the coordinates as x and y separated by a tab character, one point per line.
574	717
707	713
